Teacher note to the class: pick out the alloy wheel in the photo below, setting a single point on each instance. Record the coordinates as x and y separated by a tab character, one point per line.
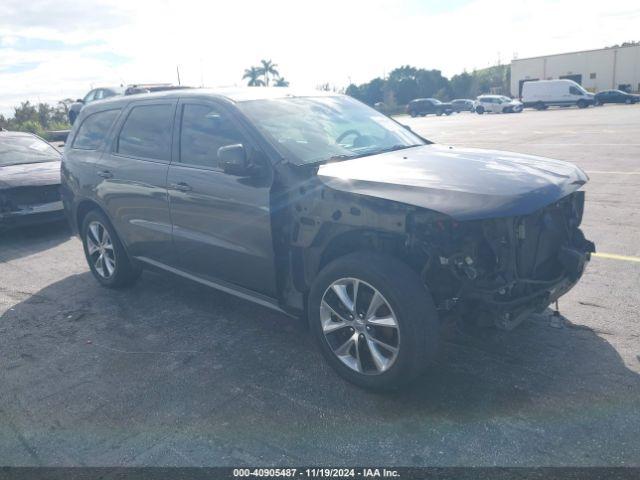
360	326
100	250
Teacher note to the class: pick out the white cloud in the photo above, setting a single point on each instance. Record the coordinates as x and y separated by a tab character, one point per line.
312	42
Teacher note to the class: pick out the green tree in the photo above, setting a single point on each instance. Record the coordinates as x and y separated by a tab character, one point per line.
461	85
24	113
253	74
45	111
267	69
281	82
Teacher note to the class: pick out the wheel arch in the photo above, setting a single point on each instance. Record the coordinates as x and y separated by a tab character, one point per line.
83	208
339	242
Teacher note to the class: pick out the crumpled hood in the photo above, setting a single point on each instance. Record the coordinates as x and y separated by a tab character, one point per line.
464	183
30	174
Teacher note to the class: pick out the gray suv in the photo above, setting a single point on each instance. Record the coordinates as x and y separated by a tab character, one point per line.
321	207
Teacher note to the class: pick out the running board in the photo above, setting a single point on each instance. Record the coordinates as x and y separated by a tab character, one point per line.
231	289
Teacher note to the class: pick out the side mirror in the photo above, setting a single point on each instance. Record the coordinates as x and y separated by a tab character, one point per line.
79	100
407	127
233	160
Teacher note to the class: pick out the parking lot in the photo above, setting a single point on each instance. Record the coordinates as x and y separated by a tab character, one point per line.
172	373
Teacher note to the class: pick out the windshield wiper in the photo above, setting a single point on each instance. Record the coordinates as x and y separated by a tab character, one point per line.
344	156
393	148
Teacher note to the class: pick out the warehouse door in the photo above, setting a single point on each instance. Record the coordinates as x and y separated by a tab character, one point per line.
575	78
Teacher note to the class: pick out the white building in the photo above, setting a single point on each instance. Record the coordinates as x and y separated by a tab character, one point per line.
595	70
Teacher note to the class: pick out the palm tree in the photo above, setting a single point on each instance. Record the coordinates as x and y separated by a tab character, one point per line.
281	82
268	68
253	74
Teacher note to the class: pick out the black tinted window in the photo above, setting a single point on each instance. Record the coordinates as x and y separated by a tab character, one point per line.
574	91
94	129
147	132
204	130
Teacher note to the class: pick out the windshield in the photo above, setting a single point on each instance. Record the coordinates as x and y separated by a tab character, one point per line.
309	130
25	149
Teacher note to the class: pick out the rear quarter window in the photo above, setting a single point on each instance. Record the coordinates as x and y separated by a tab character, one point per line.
94	130
146	133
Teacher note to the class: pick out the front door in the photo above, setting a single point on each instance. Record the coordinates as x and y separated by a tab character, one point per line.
221	222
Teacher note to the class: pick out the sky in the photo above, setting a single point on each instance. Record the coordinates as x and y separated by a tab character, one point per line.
54	49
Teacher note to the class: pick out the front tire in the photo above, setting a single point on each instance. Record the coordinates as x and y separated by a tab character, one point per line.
480	110
105	254
582	104
628	101
374	320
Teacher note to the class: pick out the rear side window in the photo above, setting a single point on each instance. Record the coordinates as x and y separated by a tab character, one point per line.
204	130
94	129
147	132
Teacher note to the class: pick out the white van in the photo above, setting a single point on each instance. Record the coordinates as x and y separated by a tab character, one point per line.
541	94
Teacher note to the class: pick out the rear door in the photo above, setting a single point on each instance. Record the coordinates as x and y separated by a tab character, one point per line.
133	179
221	222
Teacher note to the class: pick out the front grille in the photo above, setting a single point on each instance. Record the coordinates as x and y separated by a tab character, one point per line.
19	197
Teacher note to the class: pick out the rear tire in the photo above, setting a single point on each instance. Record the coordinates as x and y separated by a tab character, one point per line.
540	106
105	254
480	110
413	114
406	319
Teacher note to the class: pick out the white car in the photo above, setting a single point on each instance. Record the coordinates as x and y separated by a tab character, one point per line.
497	104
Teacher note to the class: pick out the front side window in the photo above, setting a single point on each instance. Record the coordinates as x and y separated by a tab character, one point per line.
147	132
94	129
203	131
25	149
577	90
308	130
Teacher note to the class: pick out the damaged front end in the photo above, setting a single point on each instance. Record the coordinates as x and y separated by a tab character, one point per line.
497	271
30	204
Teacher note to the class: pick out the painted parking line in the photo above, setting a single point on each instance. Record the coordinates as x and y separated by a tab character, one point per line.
613	256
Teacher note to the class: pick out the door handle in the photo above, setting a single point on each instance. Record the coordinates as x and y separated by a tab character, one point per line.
180	186
105	174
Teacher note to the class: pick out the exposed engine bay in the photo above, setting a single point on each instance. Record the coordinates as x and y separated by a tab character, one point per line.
500	270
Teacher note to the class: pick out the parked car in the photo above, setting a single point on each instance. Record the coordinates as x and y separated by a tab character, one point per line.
425	106
497	104
615	96
95	94
108	92
462	105
318	205
29	180
541	94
